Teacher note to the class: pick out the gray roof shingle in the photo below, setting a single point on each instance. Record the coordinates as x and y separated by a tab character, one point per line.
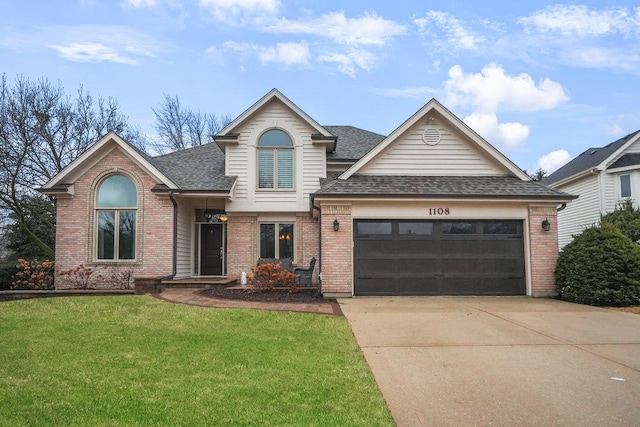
353	143
438	186
587	160
196	169
631	159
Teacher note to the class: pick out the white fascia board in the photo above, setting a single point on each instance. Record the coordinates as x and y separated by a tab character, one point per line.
433	104
96	148
275	93
606	162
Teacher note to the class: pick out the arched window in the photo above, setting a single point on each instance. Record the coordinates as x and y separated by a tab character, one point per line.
275	160
116	208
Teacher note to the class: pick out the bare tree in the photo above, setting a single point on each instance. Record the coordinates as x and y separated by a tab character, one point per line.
41	131
538	175
180	127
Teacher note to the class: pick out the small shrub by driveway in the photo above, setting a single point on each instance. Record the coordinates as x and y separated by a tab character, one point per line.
601	266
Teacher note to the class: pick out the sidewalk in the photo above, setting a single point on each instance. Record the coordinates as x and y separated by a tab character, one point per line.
192	296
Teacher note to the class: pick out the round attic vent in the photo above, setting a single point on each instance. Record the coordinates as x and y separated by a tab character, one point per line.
431	136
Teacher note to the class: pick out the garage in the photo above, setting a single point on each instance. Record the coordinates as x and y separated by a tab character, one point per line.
439	257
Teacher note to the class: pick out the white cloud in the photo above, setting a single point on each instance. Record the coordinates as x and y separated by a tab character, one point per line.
141	3
509	135
232	11
285	53
456	35
415	92
579	20
603	57
553	161
91	52
493	90
370	29
349	62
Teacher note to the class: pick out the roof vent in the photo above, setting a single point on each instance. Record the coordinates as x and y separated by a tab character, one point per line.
431	135
593	151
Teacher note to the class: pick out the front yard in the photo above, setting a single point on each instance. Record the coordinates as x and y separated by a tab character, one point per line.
134	360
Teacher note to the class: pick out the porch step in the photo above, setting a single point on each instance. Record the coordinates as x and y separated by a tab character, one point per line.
198	283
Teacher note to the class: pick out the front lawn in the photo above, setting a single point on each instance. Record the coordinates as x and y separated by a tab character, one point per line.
135	360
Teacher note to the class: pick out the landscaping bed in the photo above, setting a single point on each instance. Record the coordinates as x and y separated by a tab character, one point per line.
303	295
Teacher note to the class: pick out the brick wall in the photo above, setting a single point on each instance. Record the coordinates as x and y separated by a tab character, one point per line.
337	251
242	245
544	250
307	230
76	219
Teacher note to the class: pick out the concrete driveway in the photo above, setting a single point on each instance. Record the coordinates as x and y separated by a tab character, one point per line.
500	361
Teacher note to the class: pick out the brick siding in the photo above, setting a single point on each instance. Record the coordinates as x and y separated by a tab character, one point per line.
544	250
337	251
76	219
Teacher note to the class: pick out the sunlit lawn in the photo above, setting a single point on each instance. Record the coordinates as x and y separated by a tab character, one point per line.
135	360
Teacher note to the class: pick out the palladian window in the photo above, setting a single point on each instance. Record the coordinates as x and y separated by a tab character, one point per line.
275	160
116	208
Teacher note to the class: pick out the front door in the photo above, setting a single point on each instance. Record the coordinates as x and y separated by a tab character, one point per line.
211	250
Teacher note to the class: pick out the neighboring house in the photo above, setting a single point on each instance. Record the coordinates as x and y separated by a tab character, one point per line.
431	209
601	177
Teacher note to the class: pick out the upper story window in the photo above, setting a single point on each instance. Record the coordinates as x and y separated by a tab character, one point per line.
625	186
275	160
116	209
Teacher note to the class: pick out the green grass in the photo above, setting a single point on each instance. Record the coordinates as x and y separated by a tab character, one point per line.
136	360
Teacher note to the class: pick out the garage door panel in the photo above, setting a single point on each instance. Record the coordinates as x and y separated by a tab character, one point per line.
462	265
503	286
420	286
503	266
459	246
418	247
411	267
439	258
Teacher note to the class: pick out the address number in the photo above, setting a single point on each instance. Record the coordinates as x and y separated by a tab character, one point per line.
439	211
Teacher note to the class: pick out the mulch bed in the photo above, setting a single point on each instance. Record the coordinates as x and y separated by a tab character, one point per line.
306	296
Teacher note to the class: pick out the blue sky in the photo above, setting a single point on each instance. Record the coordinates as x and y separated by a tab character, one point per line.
541	81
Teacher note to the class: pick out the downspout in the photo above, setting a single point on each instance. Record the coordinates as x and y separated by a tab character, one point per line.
562	207
313	206
175	234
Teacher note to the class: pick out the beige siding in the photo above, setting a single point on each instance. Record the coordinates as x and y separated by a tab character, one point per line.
184	240
309	163
453	155
582	212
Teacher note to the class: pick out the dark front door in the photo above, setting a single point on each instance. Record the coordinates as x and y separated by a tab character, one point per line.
212	249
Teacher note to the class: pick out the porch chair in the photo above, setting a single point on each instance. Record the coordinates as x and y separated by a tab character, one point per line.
304	276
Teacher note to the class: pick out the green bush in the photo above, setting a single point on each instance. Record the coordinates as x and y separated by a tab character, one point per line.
601	266
626	218
7	271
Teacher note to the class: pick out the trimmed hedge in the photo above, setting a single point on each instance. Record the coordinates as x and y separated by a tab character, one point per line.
601	266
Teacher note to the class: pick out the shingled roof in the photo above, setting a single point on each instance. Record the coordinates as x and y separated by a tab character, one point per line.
588	160
196	169
353	142
438	186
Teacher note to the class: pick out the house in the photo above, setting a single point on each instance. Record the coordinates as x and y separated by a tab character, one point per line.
431	209
601	177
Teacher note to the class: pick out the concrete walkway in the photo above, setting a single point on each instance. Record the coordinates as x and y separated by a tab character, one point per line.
500	361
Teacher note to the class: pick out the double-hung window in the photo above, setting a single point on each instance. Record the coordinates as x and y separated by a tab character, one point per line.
116	211
275	160
276	240
625	186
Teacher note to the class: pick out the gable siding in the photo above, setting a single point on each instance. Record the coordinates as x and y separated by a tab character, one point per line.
309	163
184	249
410	155
581	212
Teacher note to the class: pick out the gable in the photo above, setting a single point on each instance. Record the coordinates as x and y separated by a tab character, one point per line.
432	147
434	142
99	151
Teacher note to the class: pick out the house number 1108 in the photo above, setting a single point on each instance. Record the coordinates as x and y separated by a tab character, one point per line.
439	211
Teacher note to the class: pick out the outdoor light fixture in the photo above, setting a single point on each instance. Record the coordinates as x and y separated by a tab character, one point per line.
546	225
336	225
